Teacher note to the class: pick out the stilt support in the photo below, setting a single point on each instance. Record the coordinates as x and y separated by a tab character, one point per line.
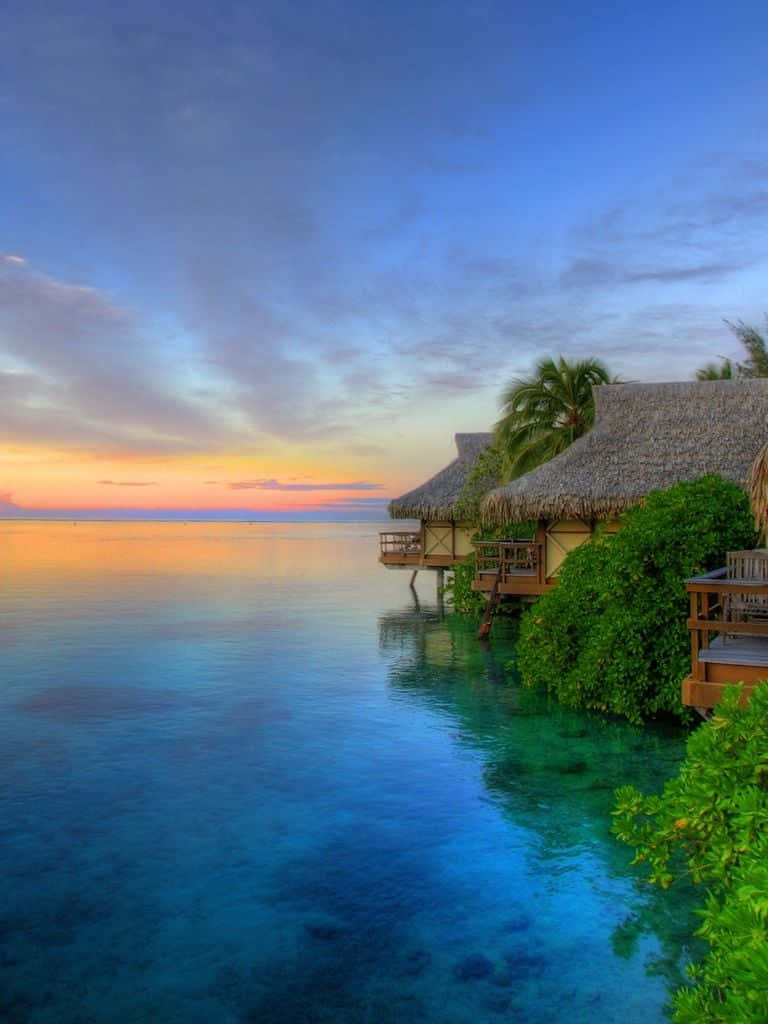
413	579
440	573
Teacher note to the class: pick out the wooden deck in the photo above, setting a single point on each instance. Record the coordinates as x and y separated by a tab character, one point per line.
728	626
521	563
434	546
400	548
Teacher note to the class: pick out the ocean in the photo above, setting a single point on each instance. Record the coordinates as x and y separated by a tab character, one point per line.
247	775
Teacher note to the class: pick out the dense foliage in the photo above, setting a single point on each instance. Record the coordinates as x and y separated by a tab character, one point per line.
484	475
544	413
712	822
458	589
612	636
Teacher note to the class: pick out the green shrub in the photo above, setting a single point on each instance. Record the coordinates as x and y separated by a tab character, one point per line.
458	589
712	822
612	636
484	475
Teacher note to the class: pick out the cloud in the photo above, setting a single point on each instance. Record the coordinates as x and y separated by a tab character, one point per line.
7	505
276	485
128	483
314	280
585	273
81	371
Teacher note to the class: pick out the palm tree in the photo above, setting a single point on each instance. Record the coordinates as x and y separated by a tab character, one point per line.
714	372
544	413
755	365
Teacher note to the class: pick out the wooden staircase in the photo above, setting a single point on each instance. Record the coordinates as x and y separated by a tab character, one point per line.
490	609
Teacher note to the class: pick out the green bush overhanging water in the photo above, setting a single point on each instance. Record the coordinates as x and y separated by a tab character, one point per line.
612	636
711	824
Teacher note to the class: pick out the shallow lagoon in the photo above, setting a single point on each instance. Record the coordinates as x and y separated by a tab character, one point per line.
245	775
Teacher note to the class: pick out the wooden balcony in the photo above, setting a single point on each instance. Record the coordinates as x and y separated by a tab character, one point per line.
728	627
518	565
436	545
400	548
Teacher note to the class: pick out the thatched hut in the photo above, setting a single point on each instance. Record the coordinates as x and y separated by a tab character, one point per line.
645	436
443	538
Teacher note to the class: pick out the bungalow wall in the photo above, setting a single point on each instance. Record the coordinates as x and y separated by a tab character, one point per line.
444	542
561	536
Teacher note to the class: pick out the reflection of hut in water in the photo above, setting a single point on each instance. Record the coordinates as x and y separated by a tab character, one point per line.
645	437
405	630
443	539
422	637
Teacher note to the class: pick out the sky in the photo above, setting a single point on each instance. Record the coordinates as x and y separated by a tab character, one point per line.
267	258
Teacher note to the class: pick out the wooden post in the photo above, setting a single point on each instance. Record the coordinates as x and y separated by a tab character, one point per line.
413	579
695	637
541	540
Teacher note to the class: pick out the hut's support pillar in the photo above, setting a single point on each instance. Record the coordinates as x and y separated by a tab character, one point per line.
413	579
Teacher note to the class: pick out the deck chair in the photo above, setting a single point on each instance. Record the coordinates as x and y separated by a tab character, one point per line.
745	607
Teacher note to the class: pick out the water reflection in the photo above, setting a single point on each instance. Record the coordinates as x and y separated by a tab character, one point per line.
551	771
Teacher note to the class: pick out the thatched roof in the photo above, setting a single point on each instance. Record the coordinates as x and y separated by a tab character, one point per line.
646	436
436	498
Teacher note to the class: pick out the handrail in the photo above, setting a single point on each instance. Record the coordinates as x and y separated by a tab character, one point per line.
702	585
400	542
508	558
723	606
715	574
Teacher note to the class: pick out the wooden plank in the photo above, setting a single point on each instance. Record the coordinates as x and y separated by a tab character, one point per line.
738	651
695	694
722	586
695	635
721	672
740	628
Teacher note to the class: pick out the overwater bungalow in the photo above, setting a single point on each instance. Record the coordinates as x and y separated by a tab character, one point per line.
442	539
649	436
645	436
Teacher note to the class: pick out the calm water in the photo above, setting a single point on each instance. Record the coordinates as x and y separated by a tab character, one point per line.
245	776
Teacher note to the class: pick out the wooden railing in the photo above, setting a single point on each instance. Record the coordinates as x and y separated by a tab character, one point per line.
400	542
727	606
515	558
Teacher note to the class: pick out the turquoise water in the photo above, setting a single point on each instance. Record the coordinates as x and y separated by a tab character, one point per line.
245	775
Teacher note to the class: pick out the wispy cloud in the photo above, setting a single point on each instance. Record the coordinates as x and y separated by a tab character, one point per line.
7	505
82	371
585	273
277	485
128	483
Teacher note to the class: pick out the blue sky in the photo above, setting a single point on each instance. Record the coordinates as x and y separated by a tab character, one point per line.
308	242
